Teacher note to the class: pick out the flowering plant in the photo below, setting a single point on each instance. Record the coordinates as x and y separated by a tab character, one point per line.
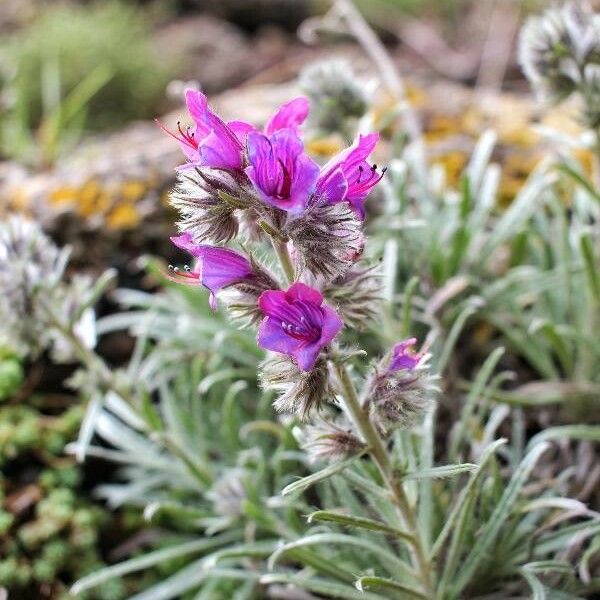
427	471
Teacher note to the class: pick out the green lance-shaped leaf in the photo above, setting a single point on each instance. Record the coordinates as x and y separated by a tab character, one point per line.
359	522
441	472
452	338
589	433
591	264
529	571
392	562
310	480
260	549
189	578
498	517
320	586
537	588
88	426
380	583
580	179
152	558
457	522
483	376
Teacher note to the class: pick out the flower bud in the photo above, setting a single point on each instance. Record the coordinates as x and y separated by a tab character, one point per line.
331	439
300	392
399	391
337	99
327	238
357	296
555	47
200	197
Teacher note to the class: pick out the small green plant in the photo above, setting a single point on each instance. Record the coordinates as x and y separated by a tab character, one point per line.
76	68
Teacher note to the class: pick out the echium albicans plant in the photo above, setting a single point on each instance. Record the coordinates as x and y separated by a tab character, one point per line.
254	186
281	242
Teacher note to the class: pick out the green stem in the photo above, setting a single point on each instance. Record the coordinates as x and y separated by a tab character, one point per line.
285	260
379	453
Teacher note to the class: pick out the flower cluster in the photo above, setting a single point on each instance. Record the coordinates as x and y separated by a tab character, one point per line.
559	52
35	294
250	185
339	99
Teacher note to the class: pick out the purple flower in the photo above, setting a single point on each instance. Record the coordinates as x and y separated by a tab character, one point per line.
348	177
297	323
403	356
288	116
211	142
281	173
215	269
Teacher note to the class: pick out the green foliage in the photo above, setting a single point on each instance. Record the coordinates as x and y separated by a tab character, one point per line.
210	464
11	374
48	534
77	68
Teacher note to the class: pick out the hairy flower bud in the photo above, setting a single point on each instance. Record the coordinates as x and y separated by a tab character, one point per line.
242	298
357	296
31	268
205	200
327	237
331	439
399	390
337	99
555	47
300	392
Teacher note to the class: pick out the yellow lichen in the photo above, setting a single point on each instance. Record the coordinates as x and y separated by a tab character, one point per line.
325	146
123	216
133	190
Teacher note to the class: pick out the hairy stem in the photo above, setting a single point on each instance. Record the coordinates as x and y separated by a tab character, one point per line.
285	260
380	455
367	38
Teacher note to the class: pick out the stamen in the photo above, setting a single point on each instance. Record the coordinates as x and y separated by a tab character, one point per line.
360	172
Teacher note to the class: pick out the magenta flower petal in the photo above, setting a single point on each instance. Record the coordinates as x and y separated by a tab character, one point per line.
186	242
222	267
281	173
306	356
241	129
332	325
269	337
348	177
218	153
216	268
297	323
403	356
289	116
335	185
301	291
210	143
270	300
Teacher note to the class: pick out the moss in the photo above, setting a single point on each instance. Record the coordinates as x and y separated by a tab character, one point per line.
11	375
